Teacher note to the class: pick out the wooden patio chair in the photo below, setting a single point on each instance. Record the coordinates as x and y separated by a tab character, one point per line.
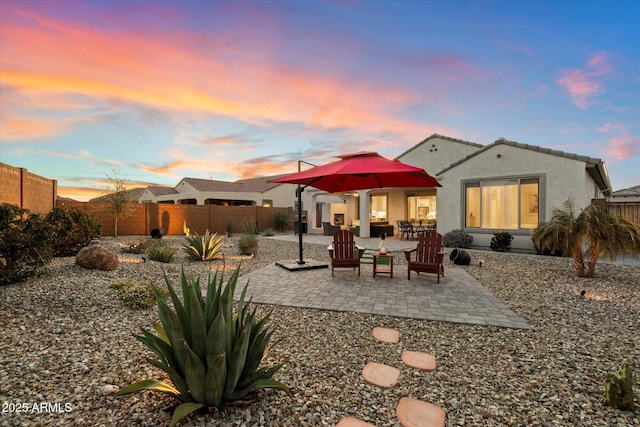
343	252
429	255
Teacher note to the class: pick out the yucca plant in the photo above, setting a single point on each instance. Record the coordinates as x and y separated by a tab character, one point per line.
210	354
203	248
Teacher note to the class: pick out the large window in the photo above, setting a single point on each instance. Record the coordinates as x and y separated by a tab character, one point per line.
510	204
378	208
421	209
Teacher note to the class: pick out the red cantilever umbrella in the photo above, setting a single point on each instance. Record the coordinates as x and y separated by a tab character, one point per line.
360	171
357	171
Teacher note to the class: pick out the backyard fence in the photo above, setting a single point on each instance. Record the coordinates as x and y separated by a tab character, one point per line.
145	217
22	188
627	210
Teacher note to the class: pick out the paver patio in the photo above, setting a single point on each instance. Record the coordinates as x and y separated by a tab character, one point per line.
458	298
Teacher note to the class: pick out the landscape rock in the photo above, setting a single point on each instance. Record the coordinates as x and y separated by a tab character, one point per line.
96	257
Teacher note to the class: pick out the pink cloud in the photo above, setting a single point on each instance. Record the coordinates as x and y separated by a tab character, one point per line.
585	85
49	58
623	146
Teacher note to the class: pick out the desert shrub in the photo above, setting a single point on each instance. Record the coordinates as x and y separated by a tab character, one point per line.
282	220
203	248
161	251
618	389
229	228
248	244
211	354
74	229
250	227
457	239
267	232
26	244
136	295
501	242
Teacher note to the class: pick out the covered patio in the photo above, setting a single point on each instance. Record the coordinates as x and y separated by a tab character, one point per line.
458	298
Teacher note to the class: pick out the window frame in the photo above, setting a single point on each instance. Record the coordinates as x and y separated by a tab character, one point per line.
520	178
371	196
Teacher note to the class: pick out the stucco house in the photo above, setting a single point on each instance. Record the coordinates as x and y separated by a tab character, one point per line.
503	186
244	192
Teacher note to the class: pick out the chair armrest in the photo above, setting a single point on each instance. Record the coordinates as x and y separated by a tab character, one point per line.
360	251
407	253
330	249
441	255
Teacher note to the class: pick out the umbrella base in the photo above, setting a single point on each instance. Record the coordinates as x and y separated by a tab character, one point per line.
294	265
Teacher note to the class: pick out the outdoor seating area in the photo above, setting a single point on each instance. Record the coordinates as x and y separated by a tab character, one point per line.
457	298
408	230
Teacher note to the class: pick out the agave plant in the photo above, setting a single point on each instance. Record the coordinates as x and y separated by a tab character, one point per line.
210	354
203	248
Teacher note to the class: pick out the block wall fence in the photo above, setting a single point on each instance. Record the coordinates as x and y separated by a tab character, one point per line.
144	217
22	188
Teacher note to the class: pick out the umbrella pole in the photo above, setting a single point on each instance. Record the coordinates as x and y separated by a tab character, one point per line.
299	193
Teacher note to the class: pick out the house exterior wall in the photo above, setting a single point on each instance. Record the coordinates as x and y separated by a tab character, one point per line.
437	153
282	196
560	178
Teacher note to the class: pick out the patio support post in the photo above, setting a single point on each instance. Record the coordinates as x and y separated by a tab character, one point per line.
299	191
364	213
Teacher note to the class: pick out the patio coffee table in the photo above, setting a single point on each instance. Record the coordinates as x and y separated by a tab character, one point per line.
377	269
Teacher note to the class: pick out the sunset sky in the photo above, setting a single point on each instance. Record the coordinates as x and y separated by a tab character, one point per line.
161	90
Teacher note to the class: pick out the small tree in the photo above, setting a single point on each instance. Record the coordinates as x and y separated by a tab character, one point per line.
118	199
604	233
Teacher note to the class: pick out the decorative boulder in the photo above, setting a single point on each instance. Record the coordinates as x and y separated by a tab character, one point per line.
96	257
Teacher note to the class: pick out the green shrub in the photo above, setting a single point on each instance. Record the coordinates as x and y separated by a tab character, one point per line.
203	248
229	228
74	229
161	251
282	221
248	244
457	239
136	295
26	244
210	354
250	227
501	242
267	232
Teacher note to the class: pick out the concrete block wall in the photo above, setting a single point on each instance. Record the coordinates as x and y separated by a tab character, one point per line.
22	188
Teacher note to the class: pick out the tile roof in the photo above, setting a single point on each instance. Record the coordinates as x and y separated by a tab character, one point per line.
133	193
631	191
250	185
212	185
161	190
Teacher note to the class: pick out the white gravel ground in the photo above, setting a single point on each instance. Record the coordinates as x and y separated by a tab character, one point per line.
65	336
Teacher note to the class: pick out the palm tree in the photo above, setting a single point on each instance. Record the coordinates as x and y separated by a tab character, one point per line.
604	233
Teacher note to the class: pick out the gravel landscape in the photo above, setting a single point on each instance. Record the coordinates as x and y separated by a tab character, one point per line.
67	344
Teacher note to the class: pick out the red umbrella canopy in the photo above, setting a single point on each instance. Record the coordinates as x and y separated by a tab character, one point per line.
360	171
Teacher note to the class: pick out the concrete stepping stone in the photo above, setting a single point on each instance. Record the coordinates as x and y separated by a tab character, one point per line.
416	359
380	375
386	335
353	422
416	413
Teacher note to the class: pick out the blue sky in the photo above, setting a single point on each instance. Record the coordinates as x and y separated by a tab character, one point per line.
162	90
